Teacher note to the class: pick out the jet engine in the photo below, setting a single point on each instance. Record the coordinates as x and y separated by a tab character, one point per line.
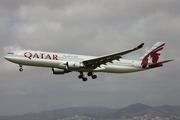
74	65
59	71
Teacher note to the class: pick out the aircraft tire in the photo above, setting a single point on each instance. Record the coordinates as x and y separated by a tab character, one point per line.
85	79
21	69
94	76
89	74
80	76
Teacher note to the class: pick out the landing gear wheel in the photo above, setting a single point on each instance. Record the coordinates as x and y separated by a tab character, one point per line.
80	76
84	79
89	74
94	76
20	69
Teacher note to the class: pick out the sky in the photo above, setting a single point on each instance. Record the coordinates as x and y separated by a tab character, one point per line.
88	27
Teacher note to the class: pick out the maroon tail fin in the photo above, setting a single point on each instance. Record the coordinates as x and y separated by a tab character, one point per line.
152	56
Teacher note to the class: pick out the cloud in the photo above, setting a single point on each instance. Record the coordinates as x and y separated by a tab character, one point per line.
90	28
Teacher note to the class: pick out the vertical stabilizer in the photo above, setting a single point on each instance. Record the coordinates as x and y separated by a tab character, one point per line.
152	55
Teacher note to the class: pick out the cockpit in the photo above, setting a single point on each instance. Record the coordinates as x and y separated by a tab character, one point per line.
10	53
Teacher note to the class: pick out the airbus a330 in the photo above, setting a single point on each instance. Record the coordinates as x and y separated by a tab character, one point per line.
62	63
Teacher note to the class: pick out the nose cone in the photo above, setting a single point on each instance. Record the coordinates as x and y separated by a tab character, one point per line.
6	57
10	56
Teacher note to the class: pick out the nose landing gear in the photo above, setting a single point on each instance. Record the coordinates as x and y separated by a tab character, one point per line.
20	69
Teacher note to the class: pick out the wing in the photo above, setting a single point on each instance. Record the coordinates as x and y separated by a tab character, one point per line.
97	62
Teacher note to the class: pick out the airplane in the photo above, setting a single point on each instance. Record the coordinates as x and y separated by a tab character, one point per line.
62	63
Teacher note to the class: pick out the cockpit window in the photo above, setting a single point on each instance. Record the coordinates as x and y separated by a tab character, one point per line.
10	53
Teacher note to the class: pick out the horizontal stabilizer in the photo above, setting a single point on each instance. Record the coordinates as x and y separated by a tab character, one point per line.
158	64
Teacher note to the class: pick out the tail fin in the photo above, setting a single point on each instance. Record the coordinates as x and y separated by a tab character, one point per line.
152	56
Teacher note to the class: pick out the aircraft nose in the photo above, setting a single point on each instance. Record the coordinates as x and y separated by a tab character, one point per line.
6	57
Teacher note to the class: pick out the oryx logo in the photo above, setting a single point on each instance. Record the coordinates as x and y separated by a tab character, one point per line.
152	57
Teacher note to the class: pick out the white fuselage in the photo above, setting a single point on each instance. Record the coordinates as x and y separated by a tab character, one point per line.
59	60
62	63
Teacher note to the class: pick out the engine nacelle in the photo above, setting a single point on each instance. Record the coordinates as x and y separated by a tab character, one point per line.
59	71
74	65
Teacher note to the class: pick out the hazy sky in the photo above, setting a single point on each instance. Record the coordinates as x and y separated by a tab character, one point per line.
90	27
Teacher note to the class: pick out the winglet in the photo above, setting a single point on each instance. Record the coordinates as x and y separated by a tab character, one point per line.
140	46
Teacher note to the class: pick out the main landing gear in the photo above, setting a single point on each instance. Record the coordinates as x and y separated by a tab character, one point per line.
92	75
20	69
81	76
